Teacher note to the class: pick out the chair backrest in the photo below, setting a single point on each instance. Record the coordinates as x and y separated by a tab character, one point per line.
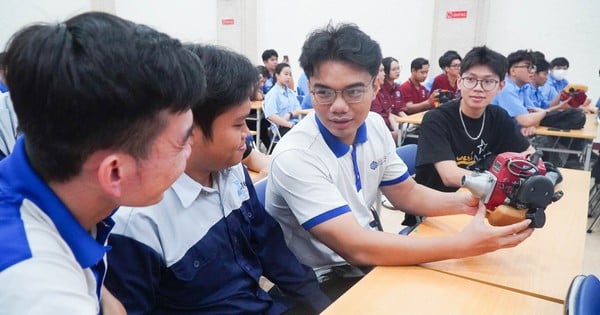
261	190
408	154
583	296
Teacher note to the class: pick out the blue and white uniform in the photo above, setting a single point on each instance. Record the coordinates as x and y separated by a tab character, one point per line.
281	101
315	177
202	250
513	98
49	264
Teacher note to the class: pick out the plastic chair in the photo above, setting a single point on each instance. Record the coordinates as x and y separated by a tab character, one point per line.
582	297
261	190
408	154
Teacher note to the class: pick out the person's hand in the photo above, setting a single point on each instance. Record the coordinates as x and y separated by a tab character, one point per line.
110	304
478	238
528	131
471	203
535	109
433	97
564	104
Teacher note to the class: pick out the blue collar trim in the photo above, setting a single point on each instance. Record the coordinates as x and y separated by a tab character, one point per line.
25	181
335	145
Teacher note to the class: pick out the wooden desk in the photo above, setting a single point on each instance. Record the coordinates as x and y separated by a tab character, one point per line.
543	265
417	290
588	132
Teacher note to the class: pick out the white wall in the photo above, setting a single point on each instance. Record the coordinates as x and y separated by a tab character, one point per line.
402	27
14	14
557	28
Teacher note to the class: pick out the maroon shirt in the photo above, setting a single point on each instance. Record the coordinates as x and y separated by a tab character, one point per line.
410	93
443	82
388	100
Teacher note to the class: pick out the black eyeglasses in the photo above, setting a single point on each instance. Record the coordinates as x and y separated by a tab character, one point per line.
457	65
486	84
351	95
531	68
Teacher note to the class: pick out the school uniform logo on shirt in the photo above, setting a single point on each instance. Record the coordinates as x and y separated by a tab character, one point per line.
375	164
242	190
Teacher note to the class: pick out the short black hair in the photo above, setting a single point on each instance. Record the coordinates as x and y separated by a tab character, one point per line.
418	63
483	56
518	56
387	64
96	82
278	69
541	64
447	58
230	80
263	70
345	43
268	54
559	62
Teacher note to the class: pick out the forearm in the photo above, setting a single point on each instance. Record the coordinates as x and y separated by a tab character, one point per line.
412	108
280	121
531	119
450	173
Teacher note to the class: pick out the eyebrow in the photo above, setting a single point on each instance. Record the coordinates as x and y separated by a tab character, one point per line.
357	84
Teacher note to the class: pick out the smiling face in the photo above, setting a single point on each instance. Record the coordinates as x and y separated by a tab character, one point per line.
474	100
227	145
340	118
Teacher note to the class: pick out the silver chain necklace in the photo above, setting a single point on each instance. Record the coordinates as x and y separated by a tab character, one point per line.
465	127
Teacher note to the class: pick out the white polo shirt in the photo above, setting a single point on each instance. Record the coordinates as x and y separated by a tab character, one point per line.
314	177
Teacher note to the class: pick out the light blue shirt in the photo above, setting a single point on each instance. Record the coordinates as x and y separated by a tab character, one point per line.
513	99
280	101
540	96
556	85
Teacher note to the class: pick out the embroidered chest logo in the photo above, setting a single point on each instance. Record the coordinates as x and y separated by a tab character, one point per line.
240	188
375	164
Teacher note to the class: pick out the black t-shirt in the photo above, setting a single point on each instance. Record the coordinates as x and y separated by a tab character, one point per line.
443	138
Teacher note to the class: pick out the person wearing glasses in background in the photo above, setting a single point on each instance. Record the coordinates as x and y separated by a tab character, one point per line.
326	172
513	97
467	132
450	64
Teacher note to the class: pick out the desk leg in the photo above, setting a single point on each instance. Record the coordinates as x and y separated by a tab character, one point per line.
258	123
588	156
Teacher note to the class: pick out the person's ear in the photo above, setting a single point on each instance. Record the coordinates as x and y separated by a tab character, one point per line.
501	85
112	172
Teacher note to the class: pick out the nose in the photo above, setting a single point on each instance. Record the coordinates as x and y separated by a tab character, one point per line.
339	104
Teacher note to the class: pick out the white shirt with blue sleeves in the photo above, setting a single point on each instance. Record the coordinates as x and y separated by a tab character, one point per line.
314	177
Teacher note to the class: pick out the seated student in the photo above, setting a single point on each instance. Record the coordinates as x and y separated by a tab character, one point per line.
281	104
537	92
204	247
3	87
327	171
81	89
462	133
8	125
557	79
414	94
450	64
388	101
513	98
270	60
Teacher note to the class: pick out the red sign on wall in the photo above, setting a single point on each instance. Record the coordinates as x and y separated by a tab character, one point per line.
456	14
227	21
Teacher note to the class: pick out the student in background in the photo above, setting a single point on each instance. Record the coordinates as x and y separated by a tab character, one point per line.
388	101
269	58
204	247
327	171
104	107
450	63
539	94
414	94
281	103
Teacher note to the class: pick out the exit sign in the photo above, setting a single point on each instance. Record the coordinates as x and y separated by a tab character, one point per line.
227	21
456	14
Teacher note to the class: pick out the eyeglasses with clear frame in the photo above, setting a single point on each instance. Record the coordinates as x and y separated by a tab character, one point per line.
351	95
530	68
486	84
